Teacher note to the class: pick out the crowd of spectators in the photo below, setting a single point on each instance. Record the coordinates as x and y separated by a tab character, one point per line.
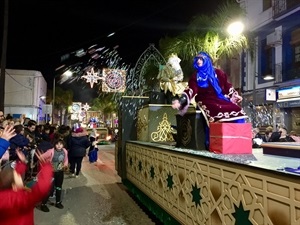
26	151
280	134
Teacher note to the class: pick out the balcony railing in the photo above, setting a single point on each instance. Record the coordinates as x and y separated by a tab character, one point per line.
283	6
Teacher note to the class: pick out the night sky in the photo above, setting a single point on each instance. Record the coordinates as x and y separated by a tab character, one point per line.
41	31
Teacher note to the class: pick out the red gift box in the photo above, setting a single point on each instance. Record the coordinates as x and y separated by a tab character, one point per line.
230	138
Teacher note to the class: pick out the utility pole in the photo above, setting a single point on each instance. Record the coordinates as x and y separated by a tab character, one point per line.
53	99
3	55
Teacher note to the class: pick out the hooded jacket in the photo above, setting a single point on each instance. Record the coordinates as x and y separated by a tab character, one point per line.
17	207
78	143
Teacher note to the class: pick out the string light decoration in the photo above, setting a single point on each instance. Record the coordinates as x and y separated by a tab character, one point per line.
95	56
114	80
86	107
91	77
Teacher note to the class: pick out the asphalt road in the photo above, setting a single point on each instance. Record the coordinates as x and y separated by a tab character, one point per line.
97	196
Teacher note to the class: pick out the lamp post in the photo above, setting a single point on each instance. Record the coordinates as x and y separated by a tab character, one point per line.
42	99
53	101
235	28
67	73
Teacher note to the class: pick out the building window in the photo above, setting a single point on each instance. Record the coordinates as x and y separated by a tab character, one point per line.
293	71
297	55
267	59
267	4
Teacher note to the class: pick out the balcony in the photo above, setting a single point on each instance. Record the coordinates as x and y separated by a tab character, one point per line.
281	7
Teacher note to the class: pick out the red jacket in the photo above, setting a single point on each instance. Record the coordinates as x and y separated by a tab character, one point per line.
17	207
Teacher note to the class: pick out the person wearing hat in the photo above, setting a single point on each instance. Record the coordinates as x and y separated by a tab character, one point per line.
78	143
93	149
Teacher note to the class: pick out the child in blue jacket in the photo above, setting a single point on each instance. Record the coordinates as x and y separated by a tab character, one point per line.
93	150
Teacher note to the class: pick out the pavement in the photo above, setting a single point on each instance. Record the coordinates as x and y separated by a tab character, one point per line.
97	196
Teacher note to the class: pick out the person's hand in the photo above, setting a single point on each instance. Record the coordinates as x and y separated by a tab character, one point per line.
21	155
65	168
41	159
176	104
8	133
236	98
29	138
239	99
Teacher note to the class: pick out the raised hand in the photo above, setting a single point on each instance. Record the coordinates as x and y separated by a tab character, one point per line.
8	133
40	157
176	104
21	155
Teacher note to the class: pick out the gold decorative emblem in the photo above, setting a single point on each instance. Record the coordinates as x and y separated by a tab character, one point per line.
141	125
186	128
164	131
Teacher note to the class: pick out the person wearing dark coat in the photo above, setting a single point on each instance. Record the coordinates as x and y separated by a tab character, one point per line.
275	137
18	141
284	137
78	143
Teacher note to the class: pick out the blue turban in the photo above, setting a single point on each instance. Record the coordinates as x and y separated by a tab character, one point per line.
206	73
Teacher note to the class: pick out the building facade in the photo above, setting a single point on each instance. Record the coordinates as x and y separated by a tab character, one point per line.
24	92
274	26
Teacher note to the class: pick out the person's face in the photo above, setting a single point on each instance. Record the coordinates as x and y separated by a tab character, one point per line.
59	146
32	128
282	132
200	62
1	116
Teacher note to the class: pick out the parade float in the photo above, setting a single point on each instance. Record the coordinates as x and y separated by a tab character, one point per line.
181	182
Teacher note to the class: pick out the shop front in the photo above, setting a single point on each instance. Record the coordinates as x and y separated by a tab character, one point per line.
289	104
260	109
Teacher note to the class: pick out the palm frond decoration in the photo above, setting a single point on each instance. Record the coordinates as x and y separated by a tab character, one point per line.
206	33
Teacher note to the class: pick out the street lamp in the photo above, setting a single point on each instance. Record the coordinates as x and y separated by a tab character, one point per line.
67	73
43	97
235	28
269	77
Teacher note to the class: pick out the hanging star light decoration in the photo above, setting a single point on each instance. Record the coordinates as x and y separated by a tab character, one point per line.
91	77
86	107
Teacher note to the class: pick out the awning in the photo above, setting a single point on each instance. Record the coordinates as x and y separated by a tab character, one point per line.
288	99
288	102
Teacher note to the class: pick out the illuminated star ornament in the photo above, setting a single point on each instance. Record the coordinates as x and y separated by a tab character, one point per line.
86	107
91	77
